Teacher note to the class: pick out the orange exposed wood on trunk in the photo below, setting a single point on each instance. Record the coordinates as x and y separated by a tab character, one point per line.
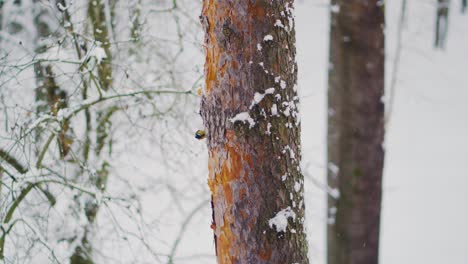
212	50
265	254
227	170
257	9
227	167
234	65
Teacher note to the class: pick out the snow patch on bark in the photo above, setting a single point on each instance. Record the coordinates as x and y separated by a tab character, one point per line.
335	8
283	84
274	110
297	186
278	23
259	47
268	38
280	221
243	117
258	97
268	128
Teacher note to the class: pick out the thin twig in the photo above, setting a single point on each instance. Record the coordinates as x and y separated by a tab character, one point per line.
396	63
183	228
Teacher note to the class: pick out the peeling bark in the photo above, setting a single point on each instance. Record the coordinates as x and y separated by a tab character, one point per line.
355	130
50	96
254	168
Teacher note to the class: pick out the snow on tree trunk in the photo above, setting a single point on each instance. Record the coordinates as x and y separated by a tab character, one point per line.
250	112
355	130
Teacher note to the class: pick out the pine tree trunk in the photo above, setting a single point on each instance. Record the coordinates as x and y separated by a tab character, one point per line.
355	130
249	109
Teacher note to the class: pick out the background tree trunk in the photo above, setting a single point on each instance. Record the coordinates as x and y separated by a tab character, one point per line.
441	29
83	253
97	15
249	109
355	130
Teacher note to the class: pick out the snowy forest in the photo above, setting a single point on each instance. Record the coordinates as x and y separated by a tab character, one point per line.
233	131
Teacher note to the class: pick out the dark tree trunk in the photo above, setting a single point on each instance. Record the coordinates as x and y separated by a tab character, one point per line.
355	130
249	109
464	4
441	29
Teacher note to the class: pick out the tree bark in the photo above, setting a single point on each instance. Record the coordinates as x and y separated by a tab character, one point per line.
249	109
441	29
355	130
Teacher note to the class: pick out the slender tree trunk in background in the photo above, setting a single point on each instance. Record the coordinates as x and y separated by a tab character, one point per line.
464	4
355	130
97	15
441	29
253	134
136	22
135	30
101	28
51	98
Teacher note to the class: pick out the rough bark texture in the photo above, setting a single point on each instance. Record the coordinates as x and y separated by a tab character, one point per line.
441	29
355	130
254	168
